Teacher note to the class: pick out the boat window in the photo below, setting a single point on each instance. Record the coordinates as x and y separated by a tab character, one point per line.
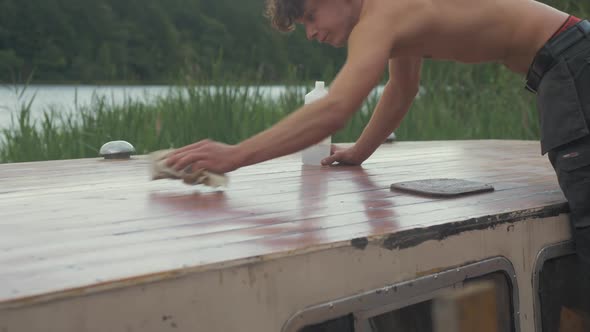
483	299
487	298
564	285
460	299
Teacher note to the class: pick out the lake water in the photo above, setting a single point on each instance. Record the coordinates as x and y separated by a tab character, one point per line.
65	98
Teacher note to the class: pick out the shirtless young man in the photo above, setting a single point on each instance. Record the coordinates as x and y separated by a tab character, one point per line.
526	36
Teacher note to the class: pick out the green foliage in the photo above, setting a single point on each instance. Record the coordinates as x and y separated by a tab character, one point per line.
231	114
471	102
161	41
148	41
187	114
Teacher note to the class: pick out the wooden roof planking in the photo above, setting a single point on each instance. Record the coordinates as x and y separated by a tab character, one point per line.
81	226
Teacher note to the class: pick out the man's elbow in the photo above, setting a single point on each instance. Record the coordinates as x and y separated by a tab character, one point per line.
405	91
413	87
412	92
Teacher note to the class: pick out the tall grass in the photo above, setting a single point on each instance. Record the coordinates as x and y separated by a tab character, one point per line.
457	104
471	102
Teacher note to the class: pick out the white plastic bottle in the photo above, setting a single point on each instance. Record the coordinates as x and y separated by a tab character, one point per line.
314	154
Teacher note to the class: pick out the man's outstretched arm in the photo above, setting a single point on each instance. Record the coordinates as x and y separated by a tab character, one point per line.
397	97
368	52
401	89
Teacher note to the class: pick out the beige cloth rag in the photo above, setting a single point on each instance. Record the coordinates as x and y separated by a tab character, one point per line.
159	170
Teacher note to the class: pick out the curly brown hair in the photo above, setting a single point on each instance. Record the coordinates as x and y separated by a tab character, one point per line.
283	13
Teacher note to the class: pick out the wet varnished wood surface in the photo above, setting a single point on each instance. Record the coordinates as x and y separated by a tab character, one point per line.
78	225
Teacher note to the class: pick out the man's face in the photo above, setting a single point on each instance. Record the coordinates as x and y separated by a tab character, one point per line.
328	21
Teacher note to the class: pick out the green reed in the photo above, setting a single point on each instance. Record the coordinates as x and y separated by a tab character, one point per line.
459	103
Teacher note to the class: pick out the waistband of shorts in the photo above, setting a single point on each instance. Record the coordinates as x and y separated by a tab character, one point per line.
548	55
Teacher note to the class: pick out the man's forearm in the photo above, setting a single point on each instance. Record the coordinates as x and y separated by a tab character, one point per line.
387	116
309	125
400	91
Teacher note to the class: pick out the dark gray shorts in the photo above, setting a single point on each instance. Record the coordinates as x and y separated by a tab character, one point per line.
563	100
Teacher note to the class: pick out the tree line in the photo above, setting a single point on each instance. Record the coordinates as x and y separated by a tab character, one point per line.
161	41
153	41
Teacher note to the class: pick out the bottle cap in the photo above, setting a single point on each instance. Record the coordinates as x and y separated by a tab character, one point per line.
319	84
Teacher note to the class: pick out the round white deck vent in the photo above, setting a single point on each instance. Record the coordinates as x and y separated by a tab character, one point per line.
117	150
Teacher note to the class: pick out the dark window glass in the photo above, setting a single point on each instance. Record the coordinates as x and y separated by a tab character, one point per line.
564	291
340	324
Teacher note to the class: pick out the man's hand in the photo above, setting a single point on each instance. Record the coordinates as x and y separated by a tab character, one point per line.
343	156
206	154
